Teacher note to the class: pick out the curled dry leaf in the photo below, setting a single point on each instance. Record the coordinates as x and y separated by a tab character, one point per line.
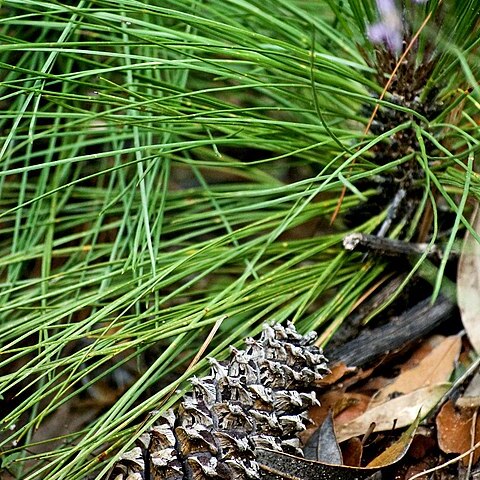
468	283
423	350
398	412
345	407
422	443
396	451
352	451
337	371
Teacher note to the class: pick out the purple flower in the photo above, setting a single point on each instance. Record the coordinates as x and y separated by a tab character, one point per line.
386	7
382	33
389	30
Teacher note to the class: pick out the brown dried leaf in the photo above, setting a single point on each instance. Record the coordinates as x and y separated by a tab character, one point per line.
468	283
419	468
398	412
422	444
338	371
275	465
355	404
435	368
424	349
345	406
374	384
360	375
454	427
352	451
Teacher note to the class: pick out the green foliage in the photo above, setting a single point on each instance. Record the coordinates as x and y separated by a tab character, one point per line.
167	166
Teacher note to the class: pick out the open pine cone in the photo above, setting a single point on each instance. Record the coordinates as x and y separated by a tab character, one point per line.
258	399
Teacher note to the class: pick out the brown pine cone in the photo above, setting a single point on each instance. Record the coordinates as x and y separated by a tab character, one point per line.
258	399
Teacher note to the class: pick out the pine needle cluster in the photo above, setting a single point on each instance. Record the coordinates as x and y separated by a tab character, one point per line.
168	176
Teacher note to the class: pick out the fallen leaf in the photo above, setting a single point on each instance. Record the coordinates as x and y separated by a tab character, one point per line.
397	450
398	412
355	404
433	369
337	371
419	468
345	407
275	465
422	444
468	284
374	384
454	428
471	396
465	359
360	375
352	451
323	445
424	349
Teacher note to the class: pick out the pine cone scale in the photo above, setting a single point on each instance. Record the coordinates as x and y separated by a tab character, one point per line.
258	399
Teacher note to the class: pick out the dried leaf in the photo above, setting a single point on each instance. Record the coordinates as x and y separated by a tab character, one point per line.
471	396
398	412
345	407
423	443
396	451
323	445
360	375
337	371
355	404
468	283
352	451
454	427
435	368
423	350
275	466
419	468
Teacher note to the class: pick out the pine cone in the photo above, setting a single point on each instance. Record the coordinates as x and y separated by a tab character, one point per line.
258	399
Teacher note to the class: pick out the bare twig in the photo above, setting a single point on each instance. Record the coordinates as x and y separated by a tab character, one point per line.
385	246
411	325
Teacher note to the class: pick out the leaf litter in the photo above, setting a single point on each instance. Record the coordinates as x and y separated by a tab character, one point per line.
361	404
362	407
435	368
